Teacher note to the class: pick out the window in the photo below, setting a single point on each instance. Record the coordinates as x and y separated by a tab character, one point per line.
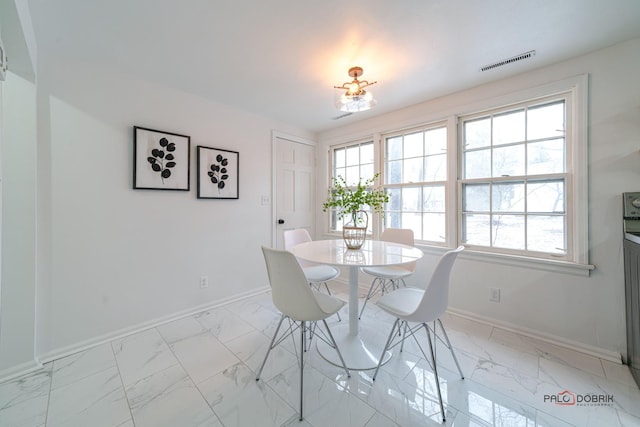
514	193
520	186
353	162
415	175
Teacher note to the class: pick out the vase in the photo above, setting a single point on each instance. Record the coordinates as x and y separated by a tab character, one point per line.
355	232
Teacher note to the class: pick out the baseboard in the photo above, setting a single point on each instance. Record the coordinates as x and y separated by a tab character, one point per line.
102	339
19	370
531	333
540	336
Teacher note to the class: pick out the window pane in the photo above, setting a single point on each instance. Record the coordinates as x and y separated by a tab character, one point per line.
366	153
477	133
339	158
411	200
435	168
508	197
508	128
435	141
546	196
546	233
508	161
394	172
353	155
393	220
475	229
366	171
413	145
508	231
475	198
477	164
353	175
433	199
394	148
433	227
412	221
340	172
395	199
546	157
413	170
546	121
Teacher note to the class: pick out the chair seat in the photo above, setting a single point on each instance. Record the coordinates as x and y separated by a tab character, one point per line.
327	303
320	273
401	303
388	272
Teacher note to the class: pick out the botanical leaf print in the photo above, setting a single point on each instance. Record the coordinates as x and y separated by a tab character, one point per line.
162	159
218	172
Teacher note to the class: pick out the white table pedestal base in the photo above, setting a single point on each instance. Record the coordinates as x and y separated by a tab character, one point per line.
357	354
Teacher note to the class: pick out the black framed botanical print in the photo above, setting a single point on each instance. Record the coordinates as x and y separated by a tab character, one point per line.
161	160
218	172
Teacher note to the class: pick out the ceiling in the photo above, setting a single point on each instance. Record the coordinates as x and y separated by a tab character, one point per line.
281	58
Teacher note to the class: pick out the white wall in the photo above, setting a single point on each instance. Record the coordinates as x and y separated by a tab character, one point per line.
587	312
120	257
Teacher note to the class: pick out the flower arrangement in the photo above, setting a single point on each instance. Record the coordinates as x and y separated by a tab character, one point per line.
349	201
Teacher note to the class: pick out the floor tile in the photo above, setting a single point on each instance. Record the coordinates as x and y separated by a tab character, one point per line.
97	400
224	324
169	398
24	401
81	365
239	400
141	355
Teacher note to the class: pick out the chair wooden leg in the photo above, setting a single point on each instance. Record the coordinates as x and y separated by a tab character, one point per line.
386	346
266	356
448	343
435	370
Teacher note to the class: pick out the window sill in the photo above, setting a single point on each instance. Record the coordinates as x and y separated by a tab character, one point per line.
554	266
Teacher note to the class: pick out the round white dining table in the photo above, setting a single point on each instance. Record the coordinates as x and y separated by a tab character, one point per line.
358	353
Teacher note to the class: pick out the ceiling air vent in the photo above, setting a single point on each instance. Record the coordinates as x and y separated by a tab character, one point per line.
341	116
508	60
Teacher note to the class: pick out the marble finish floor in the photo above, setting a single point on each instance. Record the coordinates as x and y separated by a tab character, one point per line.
200	371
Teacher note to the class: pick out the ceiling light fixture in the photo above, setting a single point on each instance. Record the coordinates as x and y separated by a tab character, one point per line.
355	98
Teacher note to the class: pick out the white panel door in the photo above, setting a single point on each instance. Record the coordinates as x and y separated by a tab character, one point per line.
294	187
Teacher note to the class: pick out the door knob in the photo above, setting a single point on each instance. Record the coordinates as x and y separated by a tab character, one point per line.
281	221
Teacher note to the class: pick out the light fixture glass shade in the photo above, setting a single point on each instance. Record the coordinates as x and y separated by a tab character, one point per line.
353	97
354	103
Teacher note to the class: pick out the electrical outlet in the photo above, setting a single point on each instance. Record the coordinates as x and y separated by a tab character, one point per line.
204	282
494	294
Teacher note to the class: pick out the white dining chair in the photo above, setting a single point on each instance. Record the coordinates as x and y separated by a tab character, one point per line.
422	306
387	278
301	305
317	274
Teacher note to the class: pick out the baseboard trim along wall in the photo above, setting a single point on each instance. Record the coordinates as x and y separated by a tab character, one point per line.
530	333
540	336
93	342
19	370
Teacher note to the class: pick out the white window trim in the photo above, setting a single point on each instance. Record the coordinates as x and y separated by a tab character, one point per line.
577	213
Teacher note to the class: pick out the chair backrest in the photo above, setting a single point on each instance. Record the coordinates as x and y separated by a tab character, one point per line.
290	289
403	236
398	235
436	296
295	237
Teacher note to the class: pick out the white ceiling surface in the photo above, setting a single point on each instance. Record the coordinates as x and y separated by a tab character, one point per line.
281	58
